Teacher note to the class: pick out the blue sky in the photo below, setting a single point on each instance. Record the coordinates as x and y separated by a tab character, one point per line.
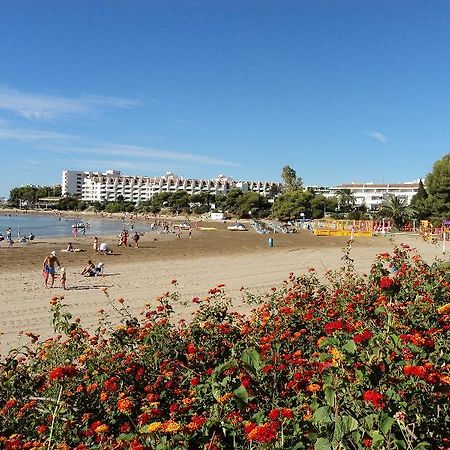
340	90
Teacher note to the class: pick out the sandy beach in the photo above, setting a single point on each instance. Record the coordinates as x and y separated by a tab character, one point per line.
212	256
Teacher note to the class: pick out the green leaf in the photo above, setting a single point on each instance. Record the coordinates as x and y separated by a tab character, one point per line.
338	430
386	424
241	393
349	424
330	395
322	415
322	444
298	446
350	347
377	437
126	437
252	359
325	357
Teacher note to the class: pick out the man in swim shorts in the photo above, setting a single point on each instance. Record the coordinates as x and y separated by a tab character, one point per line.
49	267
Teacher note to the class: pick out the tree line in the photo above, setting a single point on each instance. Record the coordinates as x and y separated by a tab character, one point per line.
292	202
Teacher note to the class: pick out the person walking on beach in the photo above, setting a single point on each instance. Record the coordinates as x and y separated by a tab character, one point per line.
9	237
49	267
136	238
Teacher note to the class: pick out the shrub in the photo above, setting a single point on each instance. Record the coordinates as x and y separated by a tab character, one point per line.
354	361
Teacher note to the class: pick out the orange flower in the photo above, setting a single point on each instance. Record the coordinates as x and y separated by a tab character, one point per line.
313	387
102	429
444	309
225	397
125	405
170	426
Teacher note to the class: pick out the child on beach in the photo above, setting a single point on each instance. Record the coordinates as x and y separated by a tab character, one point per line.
63	278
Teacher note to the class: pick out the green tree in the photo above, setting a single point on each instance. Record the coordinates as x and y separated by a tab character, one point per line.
422	203
395	208
231	204
346	200
179	201
160	200
291	182
320	205
252	204
438	188
290	205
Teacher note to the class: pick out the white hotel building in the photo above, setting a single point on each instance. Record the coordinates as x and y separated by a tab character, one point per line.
371	194
107	186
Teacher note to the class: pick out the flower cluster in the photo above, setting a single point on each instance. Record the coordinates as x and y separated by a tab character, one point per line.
355	361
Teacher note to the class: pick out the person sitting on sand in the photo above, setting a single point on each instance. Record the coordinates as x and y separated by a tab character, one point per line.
90	270
104	249
70	249
49	267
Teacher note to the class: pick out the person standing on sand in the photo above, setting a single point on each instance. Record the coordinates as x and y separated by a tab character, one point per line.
96	244
136	238
49	267
63	278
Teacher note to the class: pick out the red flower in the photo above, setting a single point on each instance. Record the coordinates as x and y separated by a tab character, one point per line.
40	429
362	337
331	327
287	413
143	419
375	398
57	373
111	385
264	433
415	371
386	282
195	381
286	310
273	415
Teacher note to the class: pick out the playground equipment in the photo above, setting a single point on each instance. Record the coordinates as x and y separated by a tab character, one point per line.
351	228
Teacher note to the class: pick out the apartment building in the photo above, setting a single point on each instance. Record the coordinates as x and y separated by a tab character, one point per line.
371	195
108	186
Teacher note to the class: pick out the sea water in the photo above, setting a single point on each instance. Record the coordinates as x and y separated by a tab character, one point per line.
52	226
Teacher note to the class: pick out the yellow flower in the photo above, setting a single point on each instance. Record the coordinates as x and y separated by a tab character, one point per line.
151	427
336	354
170	426
445	309
153	405
188	401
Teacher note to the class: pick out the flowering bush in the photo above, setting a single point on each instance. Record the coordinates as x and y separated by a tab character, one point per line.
354	361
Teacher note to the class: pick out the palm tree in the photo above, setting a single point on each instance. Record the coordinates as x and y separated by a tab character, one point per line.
396	208
346	200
